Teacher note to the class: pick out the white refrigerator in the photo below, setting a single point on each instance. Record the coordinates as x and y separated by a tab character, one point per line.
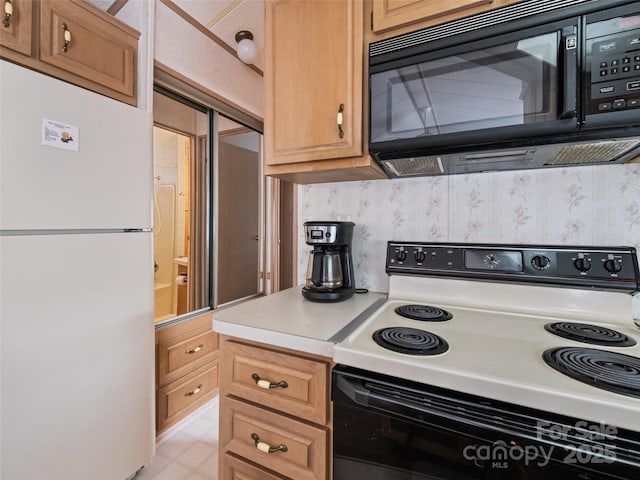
76	282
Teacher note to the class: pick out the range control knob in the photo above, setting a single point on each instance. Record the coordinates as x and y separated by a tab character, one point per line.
401	255
613	265
420	256
582	264
540	262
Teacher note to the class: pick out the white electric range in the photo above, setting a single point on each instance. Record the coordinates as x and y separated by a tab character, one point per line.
543	328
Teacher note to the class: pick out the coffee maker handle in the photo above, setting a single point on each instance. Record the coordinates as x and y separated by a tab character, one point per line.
316	276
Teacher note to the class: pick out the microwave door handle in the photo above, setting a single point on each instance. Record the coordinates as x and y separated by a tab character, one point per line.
569	78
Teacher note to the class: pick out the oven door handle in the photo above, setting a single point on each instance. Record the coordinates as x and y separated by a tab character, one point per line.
358	393
355	391
414	410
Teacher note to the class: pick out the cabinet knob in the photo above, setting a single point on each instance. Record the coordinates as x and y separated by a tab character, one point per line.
8	12
266	384
265	447
67	37
194	391
339	120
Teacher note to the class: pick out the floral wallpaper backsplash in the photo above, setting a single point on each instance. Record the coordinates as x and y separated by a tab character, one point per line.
589	205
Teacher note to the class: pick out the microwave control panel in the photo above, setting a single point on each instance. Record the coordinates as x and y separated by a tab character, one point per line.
613	58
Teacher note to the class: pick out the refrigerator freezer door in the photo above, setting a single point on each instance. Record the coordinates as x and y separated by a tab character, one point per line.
77	355
106	184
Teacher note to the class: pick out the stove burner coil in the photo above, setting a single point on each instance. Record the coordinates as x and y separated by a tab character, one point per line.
593	334
425	313
411	341
610	371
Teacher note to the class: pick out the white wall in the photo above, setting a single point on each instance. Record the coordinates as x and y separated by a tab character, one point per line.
594	205
181	47
139	15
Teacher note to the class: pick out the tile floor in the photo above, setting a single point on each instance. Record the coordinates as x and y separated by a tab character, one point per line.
189	452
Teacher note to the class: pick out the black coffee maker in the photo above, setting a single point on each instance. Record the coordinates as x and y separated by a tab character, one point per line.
330	268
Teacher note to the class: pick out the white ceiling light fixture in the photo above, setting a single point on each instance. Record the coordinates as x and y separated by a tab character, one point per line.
247	51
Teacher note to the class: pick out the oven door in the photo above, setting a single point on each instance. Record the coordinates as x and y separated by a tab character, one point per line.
387	429
496	88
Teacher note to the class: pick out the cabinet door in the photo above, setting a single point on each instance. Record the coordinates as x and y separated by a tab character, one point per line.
388	14
313	75
97	50
15	32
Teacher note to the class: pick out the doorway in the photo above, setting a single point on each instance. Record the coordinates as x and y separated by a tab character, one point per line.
208	209
181	206
172	152
239	194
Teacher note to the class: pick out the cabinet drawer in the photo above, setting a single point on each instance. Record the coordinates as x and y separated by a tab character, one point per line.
247	371
303	453
98	50
174	360
185	395
17	34
235	469
184	347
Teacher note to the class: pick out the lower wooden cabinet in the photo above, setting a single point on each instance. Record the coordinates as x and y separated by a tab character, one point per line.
275	420
186	369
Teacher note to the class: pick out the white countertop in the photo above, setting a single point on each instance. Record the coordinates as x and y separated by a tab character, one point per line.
286	319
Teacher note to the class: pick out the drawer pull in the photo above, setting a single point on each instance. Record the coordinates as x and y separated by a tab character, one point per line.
195	350
193	392
265	447
266	384
339	120
8	11
67	37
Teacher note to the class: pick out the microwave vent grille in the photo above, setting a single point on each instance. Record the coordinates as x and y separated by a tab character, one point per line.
474	22
588	153
403	167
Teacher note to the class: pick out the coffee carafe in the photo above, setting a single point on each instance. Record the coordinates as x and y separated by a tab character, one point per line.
329	270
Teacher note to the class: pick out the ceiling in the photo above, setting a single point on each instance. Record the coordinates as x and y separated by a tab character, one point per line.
223	18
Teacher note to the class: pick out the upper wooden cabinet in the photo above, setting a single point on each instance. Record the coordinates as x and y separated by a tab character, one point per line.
74	41
95	49
17	21
313	72
275	410
388	14
389	18
314	91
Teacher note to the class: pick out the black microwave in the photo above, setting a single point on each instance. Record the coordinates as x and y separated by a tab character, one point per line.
539	83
